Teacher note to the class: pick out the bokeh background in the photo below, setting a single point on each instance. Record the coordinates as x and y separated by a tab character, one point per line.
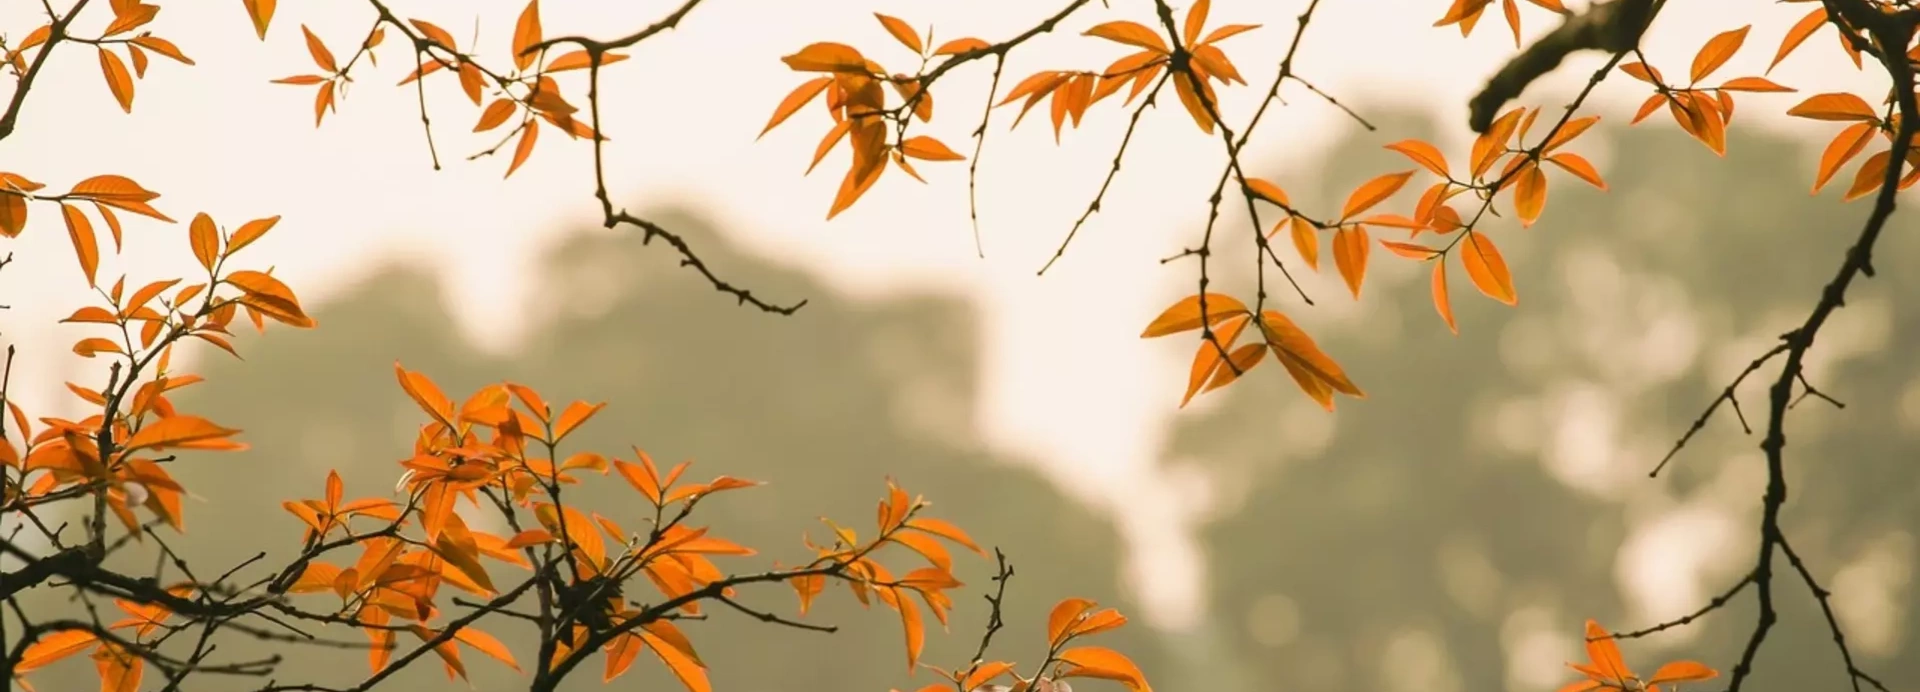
1448	533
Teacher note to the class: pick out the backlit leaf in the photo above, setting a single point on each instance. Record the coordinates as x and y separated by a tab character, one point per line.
1185	314
261	12
1422	153
1350	248
1130	33
1846	145
1798	34
1717	51
118	80
795	100
1373	192
1530	195
205	239
526	33
901	32
321	56
1440	301
1836	106
1487	269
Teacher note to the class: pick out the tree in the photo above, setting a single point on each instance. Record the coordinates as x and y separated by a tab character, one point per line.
501	448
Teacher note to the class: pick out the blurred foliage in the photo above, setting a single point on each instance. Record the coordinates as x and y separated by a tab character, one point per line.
1476	505
823	406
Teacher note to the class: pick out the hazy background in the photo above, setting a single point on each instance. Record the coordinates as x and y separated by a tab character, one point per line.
1448	533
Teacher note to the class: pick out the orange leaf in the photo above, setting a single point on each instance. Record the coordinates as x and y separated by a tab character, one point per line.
1487	269
1350	249
795	100
924	147
1316	373
1579	167
1842	149
1130	33
1682	671
1871	176
1530	195
85	246
435	34
1196	20
1306	241
118	80
186	432
945	530
261	12
1717	50
321	56
685	667
580	60
1065	614
961	45
1410	250
526	32
1422	153
269	294
249	232
1185	315
486	643
577	412
1268	191
1104	663
827	57
528	136
1440	301
426	394
1642	71
205	239
1798	34
1207	360
1183	87
495	114
1373	192
1836	106
901	32
1753	84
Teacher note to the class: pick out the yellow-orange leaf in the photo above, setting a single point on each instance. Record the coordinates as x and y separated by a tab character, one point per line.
1306	240
118	80
1842	149
1579	167
1753	84
1642	71
486	644
321	56
495	114
1183	87
1410	250
961	45
795	100
1422	153
1440	301
1798	34
529	135
249	232
827	57
1373	192
261	12
435	34
85	246
1130	33
686	668
1871	176
580	60
426	394
1064	614
901	32
89	346
944	529
1185	315
1350	248
1567	132
1207	360
1487	269
205	239
1268	191
1104	663
179	431
1835	106
526	32
925	147
1530	195
1717	50
577	413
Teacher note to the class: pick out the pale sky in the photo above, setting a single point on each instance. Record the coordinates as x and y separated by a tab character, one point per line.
1066	379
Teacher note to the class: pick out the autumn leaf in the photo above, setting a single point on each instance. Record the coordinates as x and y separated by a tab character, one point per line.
118	80
272	297
924	147
901	32
261	12
529	134
1373	192
182	431
1798	34
795	100
1104	663
1350	248
961	45
1846	145
85	246
1487	269
1837	106
321	56
1717	51
205	239
1422	153
827	57
1441	303
526	33
1185	315
1579	167
1530	194
1130	33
